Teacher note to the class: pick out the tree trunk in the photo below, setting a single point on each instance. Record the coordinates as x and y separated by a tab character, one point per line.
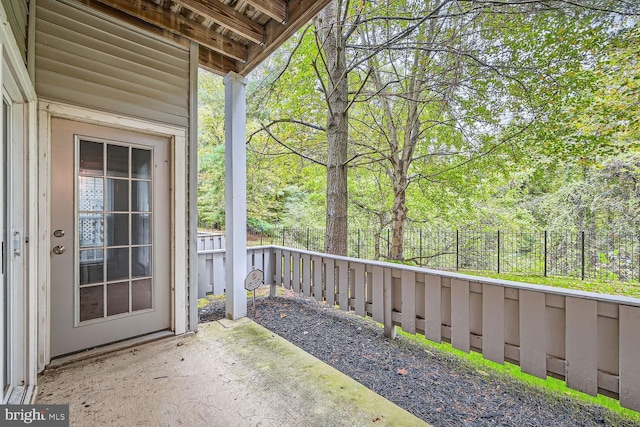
329	30
399	217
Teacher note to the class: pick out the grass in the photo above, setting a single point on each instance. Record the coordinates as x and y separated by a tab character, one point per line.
550	386
627	289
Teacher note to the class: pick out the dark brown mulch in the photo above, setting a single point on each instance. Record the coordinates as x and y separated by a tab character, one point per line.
434	386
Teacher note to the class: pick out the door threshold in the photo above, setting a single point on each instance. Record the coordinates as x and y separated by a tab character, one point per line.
108	348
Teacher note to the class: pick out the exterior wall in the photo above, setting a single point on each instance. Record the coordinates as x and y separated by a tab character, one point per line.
18	14
87	60
93	69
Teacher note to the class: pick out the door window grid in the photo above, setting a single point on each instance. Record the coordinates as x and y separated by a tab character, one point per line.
114	230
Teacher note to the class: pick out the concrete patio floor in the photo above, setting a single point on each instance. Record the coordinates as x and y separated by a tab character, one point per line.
229	374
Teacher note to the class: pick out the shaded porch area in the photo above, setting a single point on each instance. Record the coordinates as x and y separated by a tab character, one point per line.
232	373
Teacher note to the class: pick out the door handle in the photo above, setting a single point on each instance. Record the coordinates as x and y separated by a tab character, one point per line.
17	243
59	250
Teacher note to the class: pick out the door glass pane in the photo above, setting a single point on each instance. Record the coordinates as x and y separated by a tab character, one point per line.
117	229
91	303
91	158
141	294
91	266
90	193
141	229
117	161
117	264
118	195
108	229
141	196
117	298
91	230
140	163
141	261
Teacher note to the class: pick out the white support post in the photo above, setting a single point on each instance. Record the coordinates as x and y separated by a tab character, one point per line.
235	111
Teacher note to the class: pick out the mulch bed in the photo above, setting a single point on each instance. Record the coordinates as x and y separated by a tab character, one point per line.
434	386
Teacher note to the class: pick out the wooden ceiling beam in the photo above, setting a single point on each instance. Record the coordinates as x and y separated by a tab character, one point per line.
276	9
177	24
215	62
227	17
300	12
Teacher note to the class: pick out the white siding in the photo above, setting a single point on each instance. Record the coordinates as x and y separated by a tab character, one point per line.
17	14
87	60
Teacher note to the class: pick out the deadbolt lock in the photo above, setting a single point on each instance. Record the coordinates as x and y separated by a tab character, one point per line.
59	250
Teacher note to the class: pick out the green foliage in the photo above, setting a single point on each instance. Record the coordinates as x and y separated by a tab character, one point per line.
526	118
609	287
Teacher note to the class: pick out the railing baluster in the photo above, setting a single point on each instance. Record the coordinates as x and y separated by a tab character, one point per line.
460	338
533	357
433	308
409	302
377	297
343	284
330	280
389	328
317	278
629	351
493	323
582	344
360	289
306	275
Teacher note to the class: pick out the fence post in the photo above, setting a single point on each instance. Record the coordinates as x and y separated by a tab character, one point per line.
545	253
283	233
498	251
582	244
358	243
307	238
457	250
420	255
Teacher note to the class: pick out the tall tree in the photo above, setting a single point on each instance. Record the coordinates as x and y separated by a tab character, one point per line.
331	39
442	79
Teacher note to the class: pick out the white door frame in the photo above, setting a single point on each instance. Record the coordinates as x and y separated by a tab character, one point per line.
18	89
178	205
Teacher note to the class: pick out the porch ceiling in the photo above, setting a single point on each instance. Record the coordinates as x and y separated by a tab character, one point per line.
234	35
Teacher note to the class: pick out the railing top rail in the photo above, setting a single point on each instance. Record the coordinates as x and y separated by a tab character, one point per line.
221	251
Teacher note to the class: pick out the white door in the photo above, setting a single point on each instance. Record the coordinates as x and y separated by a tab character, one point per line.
111	235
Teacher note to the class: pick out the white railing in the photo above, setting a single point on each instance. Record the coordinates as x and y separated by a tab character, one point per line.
591	341
210	241
211	278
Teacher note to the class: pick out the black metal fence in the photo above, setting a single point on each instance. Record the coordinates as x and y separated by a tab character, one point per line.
582	255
